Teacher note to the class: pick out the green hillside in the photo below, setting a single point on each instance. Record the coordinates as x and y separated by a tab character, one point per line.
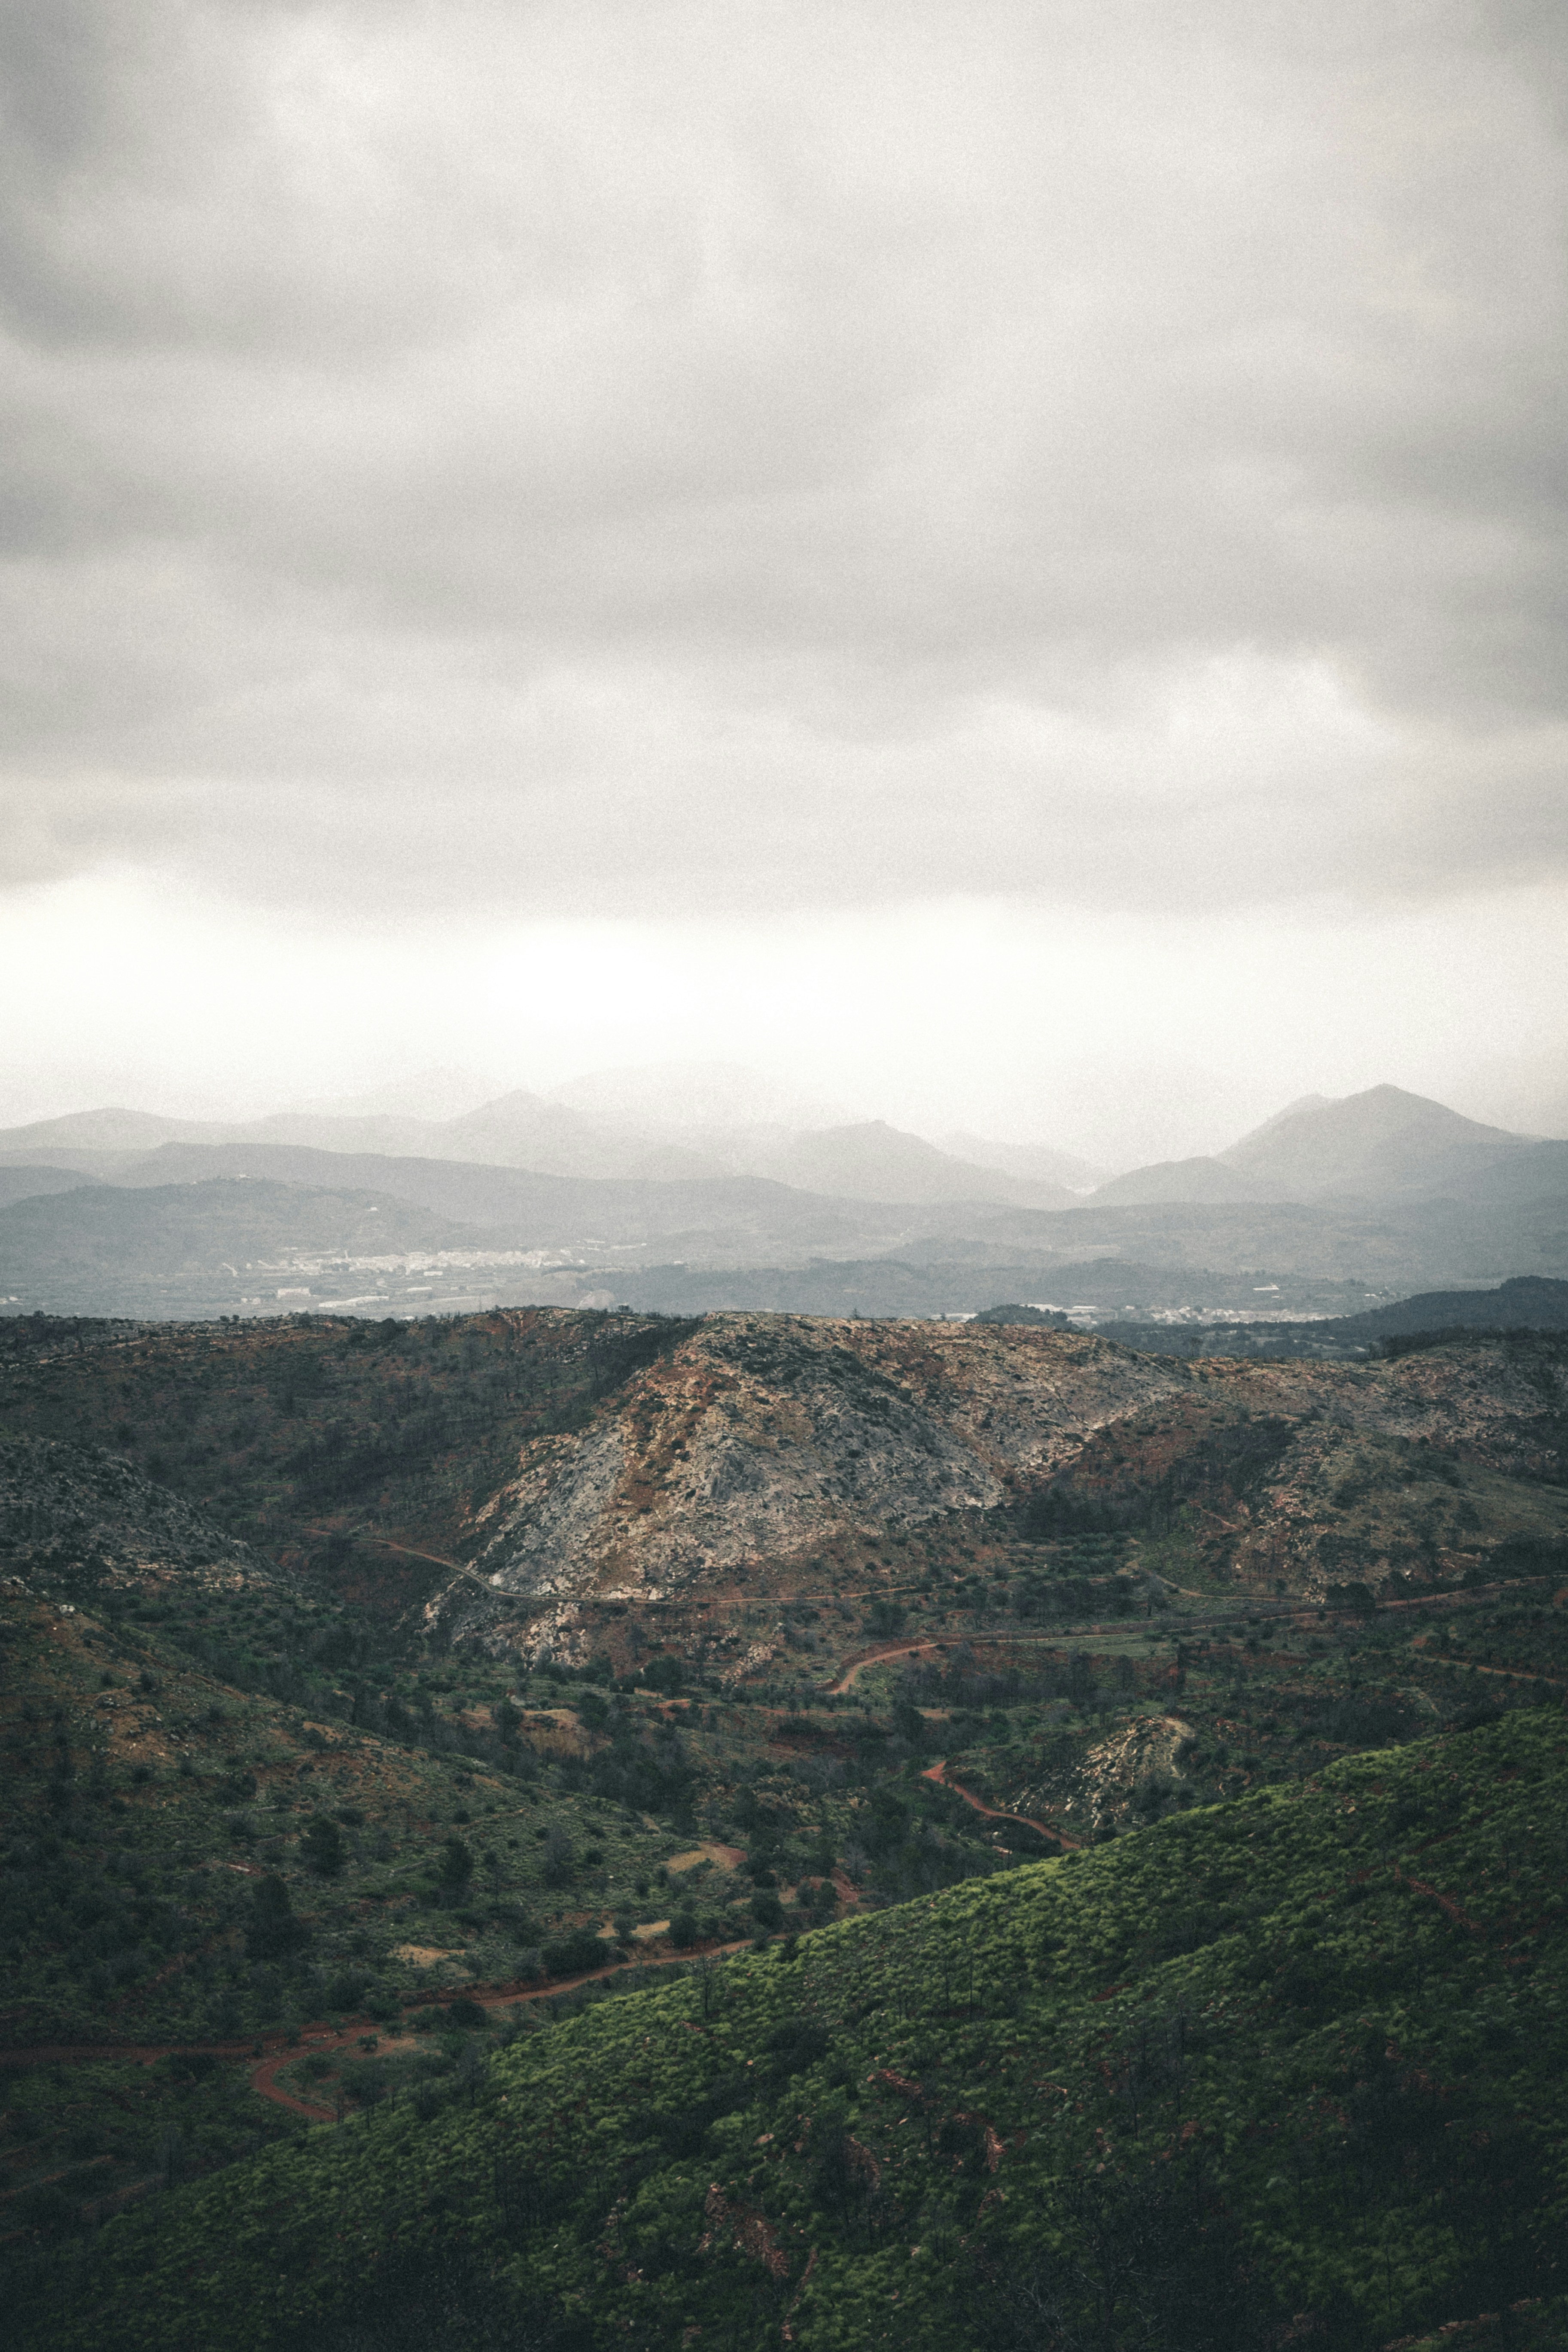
1285	2071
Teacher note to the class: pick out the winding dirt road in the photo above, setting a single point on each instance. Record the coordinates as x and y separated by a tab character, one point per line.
938	1772
1170	1626
278	2051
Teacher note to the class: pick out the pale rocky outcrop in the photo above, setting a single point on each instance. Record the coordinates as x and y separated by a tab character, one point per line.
730	1461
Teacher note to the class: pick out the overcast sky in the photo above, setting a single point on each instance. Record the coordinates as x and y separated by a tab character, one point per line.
1001	562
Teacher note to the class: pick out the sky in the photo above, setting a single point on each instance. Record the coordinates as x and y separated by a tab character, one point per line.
1001	565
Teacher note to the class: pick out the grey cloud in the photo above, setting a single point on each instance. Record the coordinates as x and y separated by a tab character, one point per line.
766	455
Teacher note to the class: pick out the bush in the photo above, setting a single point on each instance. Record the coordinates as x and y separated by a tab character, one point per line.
272	1930
322	1845
347	1990
456	1867
191	2065
573	1954
467	2013
683	1931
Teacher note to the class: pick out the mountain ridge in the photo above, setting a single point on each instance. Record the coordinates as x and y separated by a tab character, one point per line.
1383	1140
867	1160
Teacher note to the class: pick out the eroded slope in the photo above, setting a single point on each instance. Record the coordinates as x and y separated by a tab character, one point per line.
754	1455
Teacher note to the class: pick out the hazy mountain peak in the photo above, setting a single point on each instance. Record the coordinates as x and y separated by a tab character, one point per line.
1291	1110
1381	1140
873	1160
514	1101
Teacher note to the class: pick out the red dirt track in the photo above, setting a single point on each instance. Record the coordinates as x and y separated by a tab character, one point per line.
280	2050
938	1772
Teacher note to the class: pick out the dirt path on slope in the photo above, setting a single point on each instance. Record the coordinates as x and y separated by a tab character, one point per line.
278	2051
1510	1674
934	1644
938	1772
1171	1627
407	1551
363	1535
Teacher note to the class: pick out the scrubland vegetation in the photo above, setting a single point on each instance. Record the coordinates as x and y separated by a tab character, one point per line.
1036	1930
1280	2071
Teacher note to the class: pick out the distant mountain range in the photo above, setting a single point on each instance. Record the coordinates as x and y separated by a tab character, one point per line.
528	1198
867	1162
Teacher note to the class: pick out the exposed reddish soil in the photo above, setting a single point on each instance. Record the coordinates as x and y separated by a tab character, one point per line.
279	2051
938	1772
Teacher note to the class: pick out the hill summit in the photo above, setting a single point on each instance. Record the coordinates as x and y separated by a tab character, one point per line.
1384	1140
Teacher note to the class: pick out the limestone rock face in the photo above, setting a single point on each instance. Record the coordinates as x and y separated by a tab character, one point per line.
734	1458
760	1437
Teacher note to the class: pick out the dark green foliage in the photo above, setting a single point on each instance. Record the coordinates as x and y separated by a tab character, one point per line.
455	1866
1226	1457
1146	2262
1182	2095
322	1844
348	1990
574	1955
798	2043
45	2211
448	2304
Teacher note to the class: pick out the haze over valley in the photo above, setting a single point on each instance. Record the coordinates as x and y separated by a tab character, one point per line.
1328	1208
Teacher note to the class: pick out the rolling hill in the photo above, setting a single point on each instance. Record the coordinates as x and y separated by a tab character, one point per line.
154	1250
588	1467
874	1161
1182	1180
1281	2072
25	1183
1033	1164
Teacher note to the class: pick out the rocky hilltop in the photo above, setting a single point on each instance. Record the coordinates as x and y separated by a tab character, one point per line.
767	1456
579	1486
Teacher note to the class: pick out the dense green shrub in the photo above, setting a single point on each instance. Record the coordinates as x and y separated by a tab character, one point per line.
574	1955
321	1846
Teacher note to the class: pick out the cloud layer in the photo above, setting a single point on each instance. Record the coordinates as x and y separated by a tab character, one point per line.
593	459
